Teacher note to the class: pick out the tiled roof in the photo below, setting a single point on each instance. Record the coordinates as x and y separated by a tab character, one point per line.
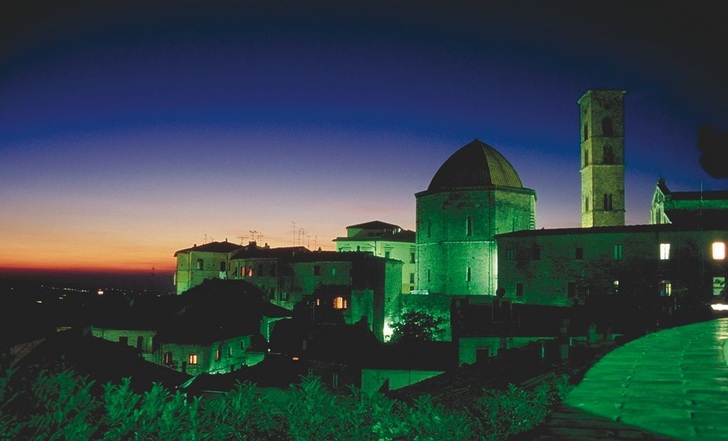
214	247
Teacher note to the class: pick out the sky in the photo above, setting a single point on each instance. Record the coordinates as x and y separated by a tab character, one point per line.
130	130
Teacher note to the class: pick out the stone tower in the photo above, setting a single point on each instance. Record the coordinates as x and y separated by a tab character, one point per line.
475	195
602	158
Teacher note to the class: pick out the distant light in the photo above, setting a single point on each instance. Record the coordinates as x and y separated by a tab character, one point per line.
100	292
719	307
39	301
294	358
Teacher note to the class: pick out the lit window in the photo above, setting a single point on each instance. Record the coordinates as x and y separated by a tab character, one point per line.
167	358
665	288
664	251
339	303
618	252
250	271
718	286
616	287
218	354
718	250
192	359
333	272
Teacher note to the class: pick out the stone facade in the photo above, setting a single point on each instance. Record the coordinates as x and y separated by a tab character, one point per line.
565	266
602	158
383	240
203	262
458	217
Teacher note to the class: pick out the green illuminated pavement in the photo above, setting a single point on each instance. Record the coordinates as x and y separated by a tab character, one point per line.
671	384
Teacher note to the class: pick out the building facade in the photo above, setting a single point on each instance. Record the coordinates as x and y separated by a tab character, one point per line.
203	262
602	158
475	195
383	240
564	267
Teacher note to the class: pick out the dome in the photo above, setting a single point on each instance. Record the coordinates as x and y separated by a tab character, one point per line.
476	164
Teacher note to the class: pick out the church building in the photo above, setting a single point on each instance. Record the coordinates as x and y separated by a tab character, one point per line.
475	195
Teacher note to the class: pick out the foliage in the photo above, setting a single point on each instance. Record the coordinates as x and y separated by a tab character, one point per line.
65	408
417	326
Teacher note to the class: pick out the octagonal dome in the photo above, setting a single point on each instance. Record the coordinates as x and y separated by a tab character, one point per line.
476	164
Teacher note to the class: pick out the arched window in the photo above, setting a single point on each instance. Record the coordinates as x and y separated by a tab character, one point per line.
607	127
608	155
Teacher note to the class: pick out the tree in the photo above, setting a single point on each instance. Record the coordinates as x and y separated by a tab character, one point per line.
417	326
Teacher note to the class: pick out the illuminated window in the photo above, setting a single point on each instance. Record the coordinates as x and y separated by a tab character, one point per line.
511	254
718	250
469	226
664	251
618	252
230	351
519	289
339	303
218	354
168	358
616	286
333	272
192	359
665	288
200	264
468	274
578	253
250	271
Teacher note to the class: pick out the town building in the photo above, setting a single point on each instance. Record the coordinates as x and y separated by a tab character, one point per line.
384	240
475	195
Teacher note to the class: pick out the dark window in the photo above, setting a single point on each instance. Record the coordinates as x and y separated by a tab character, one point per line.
579	253
571	290
316	270
511	254
586	203
200	264
140	342
608	155
222	266
586	132
412	257
124	340
469	226
467	274
607	127
536	253
412	278
519	289
618	252
608	202
387	254
428	275
586	157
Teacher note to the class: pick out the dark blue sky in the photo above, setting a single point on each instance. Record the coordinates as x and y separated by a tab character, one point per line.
143	127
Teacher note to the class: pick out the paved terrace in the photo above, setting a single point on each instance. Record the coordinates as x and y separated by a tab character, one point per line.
669	385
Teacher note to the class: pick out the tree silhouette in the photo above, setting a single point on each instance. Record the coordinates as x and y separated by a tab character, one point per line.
713	146
417	326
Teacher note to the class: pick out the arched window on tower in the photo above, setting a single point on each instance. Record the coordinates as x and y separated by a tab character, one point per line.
608	155
608	202
586	132
607	127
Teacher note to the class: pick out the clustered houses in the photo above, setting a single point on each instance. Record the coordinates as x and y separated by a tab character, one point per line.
363	287
476	242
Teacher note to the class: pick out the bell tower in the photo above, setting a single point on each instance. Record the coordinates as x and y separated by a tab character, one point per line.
602	157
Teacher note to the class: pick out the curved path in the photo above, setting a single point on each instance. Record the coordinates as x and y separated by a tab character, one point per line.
672	384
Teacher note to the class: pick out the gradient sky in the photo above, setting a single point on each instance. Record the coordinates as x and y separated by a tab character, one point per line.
130	130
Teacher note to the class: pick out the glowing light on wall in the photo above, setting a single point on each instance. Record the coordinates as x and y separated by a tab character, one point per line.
387	331
718	250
